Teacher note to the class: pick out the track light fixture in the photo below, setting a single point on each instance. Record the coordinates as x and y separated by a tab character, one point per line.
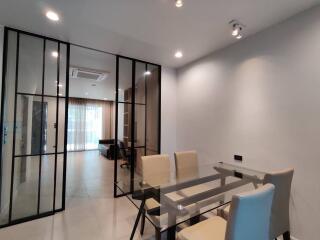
237	28
179	3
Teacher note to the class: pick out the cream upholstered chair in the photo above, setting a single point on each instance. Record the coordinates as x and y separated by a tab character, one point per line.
187	167
249	219
155	172
186	164
280	223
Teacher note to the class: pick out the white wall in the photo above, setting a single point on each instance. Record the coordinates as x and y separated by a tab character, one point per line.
261	98
168	111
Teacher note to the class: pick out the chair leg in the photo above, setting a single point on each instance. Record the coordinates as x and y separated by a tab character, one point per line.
286	236
143	220
157	234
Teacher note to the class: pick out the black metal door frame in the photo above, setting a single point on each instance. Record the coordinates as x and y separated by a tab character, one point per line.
57	96
132	134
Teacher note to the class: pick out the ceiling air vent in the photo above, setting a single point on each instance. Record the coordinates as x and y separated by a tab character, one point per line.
89	74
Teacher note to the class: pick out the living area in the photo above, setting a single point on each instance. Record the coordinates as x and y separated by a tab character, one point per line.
100	116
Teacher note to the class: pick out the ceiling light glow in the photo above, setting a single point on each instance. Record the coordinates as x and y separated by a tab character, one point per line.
52	16
147	73
178	54
54	54
179	3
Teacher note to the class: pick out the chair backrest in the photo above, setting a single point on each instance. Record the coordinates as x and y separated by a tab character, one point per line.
186	164
280	221
122	151
156	169
250	215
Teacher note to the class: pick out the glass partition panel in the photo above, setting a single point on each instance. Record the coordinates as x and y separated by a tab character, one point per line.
137	117
152	110
51	68
49	115
25	187
7	127
47	183
29	123
30	64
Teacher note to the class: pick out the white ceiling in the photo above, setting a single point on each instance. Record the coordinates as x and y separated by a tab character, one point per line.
149	29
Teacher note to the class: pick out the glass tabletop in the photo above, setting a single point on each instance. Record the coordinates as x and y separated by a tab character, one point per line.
174	197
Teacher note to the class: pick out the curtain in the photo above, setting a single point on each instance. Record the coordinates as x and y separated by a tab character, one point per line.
88	122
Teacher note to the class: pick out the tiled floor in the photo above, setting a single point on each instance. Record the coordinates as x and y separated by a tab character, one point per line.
91	211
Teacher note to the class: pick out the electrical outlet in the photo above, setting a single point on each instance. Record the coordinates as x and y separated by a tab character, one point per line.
237	158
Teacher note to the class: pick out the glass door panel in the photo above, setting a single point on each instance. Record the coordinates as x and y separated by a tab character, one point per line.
25	187
137	118
33	127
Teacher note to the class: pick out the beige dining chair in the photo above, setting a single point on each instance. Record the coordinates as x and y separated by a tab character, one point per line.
186	164
155	172
280	220
187	168
249	219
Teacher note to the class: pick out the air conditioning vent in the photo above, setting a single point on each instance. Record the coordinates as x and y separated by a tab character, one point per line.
90	74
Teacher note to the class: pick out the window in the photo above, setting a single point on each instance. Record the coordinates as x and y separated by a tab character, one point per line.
87	120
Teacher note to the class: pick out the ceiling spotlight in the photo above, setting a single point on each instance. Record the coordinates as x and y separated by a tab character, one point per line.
60	94
237	28
52	16
179	3
54	54
105	98
60	85
147	73
178	54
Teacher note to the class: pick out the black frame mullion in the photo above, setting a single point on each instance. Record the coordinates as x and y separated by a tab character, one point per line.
133	108
115	168
4	72
64	180
14	125
159	112
57	131
41	121
145	110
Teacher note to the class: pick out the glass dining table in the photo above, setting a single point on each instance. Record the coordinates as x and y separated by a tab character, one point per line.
168	199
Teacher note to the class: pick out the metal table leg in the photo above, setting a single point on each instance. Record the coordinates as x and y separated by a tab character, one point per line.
141	210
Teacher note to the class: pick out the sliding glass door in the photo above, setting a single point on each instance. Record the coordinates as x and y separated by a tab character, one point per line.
137	118
33	121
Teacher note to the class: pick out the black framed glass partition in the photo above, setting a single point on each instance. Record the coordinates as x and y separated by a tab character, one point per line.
33	133
138	99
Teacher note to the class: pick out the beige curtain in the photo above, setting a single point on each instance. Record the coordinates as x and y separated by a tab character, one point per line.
89	121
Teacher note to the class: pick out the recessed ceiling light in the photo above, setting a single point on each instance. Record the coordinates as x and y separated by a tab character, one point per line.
60	94
147	73
54	54
105	98
52	16
178	54
179	3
